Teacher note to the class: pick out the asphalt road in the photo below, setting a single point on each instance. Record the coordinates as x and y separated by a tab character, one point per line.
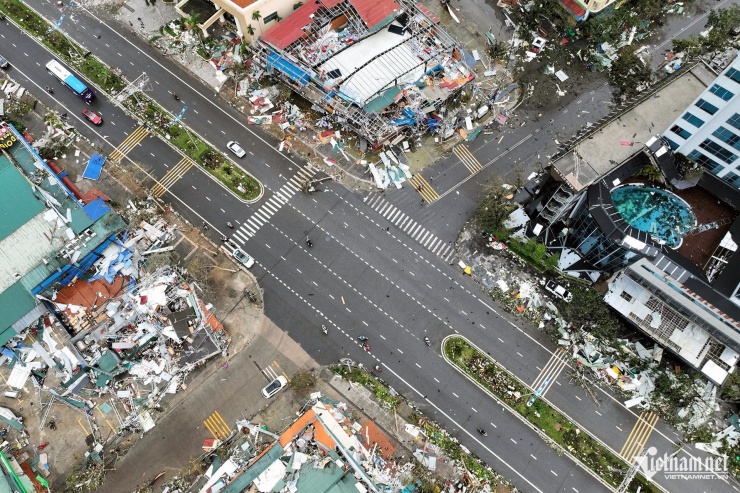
359	278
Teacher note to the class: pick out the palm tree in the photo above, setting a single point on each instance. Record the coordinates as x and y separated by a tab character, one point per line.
250	30
256	16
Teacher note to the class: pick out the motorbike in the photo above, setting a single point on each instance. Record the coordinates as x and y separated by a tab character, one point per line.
366	347
361	338
42	446
309	243
427	342
324	329
378	368
224	238
482	432
229	225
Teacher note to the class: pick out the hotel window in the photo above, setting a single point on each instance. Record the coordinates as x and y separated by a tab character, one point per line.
728	137
706	162
679	131
735	121
270	18
732	178
697	122
718	150
708	107
721	92
734	75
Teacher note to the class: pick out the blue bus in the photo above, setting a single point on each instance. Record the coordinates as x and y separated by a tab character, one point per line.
57	70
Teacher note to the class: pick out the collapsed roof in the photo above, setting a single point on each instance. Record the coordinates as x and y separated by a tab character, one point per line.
382	66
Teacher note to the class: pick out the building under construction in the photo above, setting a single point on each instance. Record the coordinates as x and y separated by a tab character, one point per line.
381	67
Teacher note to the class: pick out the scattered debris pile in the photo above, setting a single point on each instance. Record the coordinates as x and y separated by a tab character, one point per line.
378	70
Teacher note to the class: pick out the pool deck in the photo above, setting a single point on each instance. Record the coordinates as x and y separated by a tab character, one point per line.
698	248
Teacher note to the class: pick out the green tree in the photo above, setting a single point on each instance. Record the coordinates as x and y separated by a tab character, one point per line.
721	24
256	16
587	309
628	73
730	390
494	208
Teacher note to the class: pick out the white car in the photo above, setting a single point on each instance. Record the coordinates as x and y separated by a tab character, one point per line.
243	258
234	147
558	291
275	386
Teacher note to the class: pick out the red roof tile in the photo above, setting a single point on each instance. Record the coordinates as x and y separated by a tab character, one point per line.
290	29
374	11
574	8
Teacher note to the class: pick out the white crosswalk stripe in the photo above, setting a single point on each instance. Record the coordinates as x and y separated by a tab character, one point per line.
405	223
271	206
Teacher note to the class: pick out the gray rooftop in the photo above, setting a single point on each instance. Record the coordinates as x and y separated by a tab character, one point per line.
624	136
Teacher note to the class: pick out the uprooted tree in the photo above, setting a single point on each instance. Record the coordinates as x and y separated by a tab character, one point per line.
494	207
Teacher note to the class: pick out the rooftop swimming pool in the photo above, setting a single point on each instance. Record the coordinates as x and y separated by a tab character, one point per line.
658	212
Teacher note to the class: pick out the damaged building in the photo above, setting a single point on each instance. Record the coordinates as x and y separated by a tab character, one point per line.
381	68
84	323
665	238
323	451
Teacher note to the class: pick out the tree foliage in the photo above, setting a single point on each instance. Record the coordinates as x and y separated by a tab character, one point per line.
723	23
628	73
587	309
494	208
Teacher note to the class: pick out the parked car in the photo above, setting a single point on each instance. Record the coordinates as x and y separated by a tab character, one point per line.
234	147
92	117
275	386
243	258
558	290
3	62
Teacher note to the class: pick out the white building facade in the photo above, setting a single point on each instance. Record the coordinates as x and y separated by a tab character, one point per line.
708	131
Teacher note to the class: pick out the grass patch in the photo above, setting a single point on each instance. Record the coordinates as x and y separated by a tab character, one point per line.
557	427
239	182
433	431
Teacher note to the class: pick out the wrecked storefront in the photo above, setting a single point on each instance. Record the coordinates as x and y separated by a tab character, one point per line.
379	68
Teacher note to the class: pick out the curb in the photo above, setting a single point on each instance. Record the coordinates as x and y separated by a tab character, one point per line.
521	418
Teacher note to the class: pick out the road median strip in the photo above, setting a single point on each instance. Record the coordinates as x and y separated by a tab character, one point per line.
570	438
237	180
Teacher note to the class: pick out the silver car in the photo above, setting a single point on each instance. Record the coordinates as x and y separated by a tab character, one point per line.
234	147
3	62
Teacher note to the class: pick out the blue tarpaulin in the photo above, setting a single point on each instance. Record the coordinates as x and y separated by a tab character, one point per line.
96	209
275	61
94	167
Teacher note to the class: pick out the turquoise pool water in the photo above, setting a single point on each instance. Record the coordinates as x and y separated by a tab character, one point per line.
658	212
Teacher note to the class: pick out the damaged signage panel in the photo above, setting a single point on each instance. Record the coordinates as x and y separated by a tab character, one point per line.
380	67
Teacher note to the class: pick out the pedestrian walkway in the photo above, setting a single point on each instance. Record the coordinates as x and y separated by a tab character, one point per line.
171	177
263	215
131	141
425	189
216	426
415	230
467	158
639	435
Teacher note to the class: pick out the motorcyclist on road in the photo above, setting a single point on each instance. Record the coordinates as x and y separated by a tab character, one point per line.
482	432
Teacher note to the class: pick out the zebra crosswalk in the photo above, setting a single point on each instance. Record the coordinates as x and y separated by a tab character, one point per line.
416	231
270	207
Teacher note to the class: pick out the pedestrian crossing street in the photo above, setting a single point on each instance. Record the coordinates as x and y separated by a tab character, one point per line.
467	158
415	230
270	207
